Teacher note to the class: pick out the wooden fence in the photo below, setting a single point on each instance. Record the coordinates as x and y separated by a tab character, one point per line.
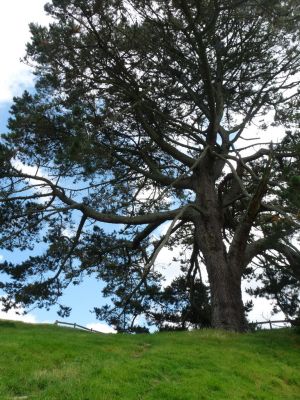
76	326
270	324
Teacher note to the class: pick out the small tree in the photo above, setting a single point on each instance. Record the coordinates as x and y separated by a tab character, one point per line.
144	113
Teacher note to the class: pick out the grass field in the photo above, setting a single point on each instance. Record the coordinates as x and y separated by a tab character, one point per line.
43	362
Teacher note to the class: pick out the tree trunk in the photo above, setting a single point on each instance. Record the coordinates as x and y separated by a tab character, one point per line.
226	298
224	274
225	283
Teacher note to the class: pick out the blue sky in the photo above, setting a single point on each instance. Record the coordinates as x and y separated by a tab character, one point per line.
15	16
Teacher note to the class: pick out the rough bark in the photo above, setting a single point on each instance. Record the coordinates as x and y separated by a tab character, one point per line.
225	281
224	273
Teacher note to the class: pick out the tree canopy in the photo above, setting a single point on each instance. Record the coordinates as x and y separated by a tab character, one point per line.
147	112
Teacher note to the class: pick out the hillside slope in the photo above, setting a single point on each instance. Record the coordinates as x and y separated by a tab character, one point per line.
43	362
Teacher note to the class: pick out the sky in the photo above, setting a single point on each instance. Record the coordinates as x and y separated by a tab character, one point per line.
15	15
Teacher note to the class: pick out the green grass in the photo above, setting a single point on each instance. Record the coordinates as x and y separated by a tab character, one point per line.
43	362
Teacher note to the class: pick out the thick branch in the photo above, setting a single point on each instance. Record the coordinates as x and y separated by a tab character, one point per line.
270	243
241	235
144	234
165	146
99	216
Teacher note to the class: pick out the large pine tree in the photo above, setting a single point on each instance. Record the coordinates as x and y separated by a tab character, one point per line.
146	112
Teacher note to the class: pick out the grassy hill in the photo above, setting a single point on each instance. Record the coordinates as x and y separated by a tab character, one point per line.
43	362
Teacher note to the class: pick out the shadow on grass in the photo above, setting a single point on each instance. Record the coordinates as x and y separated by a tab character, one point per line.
7	324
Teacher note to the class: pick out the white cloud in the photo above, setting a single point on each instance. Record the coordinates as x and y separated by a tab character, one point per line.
166	265
262	309
256	138
97	326
26	169
15	15
36	185
16	315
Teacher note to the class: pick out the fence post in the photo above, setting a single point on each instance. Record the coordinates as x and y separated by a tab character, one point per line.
270	322
74	324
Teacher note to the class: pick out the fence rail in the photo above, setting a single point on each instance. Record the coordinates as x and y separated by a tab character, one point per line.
76	326
256	324
271	323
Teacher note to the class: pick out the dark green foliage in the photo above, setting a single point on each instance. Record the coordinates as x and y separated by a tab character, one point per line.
182	305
